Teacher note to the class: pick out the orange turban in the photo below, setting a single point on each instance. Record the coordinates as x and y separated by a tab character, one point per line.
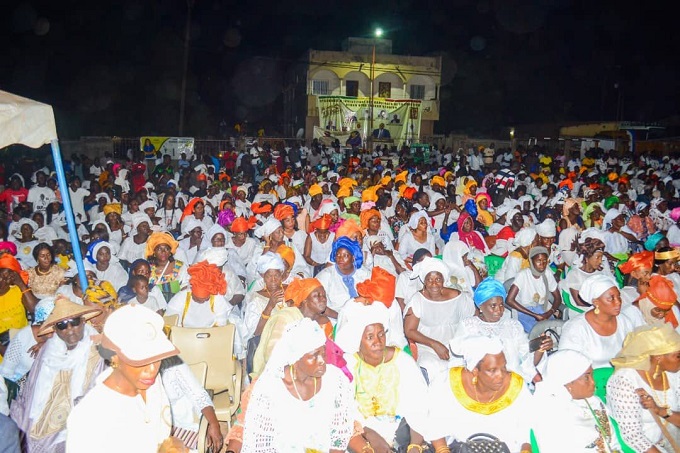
322	223
368	215
409	193
314	190
283	211
347	182
189	209
287	253
401	176
348	228
261	208
638	261
369	194
662	294
299	289
438	180
345	191
113	207
381	287
7	261
385	180
206	280
240	225
160	238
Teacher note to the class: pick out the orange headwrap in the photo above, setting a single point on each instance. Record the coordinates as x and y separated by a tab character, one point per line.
113	207
189	209
283	211
206	280
401	176
240	225
159	238
261	208
662	294
347	182
409	193
322	223
370	194
314	190
344	192
348	228
641	260
438	180
368	215
287	253
381	287
7	261
223	203
299	289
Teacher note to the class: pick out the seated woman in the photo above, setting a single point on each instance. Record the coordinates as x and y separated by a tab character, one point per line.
464	275
665	263
518	258
432	315
134	245
319	243
645	386
25	241
382	408
65	369
617	236
297	380
415	237
341	279
46	277
530	291
658	304
598	333
489	321
191	242
216	238
105	265
16	298
482	397
468	235
565	396
167	273
202	305
638	270
591	253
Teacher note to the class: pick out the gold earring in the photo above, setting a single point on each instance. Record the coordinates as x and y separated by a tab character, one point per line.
597	310
656	370
114	365
474	381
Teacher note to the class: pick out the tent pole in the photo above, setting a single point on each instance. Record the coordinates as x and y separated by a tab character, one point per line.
68	211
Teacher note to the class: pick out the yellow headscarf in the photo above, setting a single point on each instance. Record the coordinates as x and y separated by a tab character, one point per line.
113	207
644	342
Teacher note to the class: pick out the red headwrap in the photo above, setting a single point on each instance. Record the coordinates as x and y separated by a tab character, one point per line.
662	294
206	280
409	193
261	208
641	260
322	223
381	287
189	209
283	211
241	225
7	261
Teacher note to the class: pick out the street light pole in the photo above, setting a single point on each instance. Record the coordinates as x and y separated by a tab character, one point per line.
378	33
185	66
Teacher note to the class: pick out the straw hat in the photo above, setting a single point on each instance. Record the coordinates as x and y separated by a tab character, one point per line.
65	309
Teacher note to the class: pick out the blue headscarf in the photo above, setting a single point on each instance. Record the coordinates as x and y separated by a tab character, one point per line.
353	247
652	240
92	250
488	288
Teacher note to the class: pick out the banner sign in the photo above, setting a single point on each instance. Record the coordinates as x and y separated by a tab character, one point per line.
339	116
174	146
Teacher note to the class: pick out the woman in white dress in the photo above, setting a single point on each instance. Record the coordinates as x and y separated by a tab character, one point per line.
105	265
646	386
432	315
489	321
297	381
598	333
482	397
565	396
319	243
415	237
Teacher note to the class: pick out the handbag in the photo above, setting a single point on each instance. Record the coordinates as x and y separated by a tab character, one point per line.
480	443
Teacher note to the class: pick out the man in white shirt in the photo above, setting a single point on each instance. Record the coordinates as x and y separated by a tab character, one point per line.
78	195
40	196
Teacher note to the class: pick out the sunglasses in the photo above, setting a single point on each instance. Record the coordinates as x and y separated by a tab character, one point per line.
63	325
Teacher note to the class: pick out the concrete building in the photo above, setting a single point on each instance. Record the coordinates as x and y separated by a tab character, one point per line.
347	73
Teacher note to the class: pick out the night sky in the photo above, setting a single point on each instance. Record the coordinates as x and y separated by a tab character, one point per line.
115	68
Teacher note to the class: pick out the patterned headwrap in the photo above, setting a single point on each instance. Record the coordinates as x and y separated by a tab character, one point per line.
101	293
640	260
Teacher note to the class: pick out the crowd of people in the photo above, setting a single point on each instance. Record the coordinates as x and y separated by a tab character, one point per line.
379	305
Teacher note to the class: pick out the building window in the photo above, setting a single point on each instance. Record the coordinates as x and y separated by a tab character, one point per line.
320	87
384	90
352	88
417	91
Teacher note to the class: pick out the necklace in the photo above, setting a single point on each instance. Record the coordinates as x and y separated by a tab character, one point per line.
493	396
292	377
664	384
375	403
39	272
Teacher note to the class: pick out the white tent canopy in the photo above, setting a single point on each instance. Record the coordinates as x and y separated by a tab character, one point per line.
26	122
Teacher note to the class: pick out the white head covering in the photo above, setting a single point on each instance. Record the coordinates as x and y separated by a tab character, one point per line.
435	197
101	222
596	285
296	199
23	222
511	213
609	217
429	264
524	237
267	228
521	200
270	260
299	338
591	233
99	246
547	228
103	195
146	205
212	232
349	333
474	348
137	219
563	367
327	207
415	218
191	224
214	255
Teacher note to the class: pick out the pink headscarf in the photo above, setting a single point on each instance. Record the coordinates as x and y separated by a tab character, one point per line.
471	238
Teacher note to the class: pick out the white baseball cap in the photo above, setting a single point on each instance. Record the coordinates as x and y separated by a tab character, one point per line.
136	335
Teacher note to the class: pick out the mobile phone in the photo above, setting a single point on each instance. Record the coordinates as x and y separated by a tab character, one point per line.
535	344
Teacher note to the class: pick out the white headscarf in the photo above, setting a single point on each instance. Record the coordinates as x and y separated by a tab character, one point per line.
137	219
146	205
429	264
596	285
350	332
524	237
511	213
547	228
268	261
327	207
214	255
193	223
563	367
23	222
609	217
594	233
299	338
212	232
267	228
474	348
415	218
